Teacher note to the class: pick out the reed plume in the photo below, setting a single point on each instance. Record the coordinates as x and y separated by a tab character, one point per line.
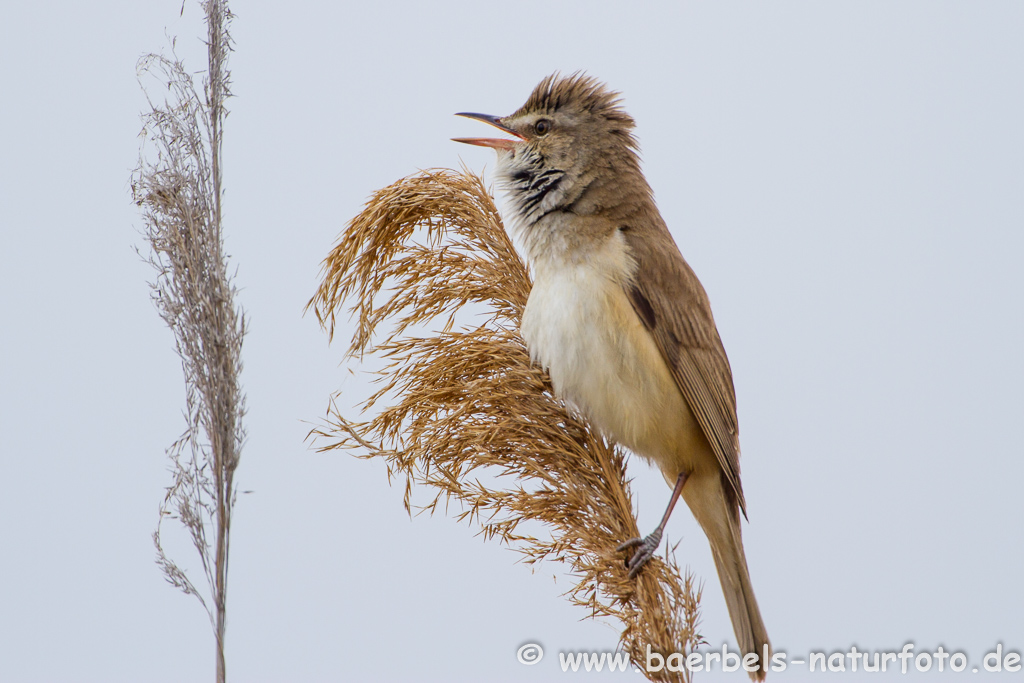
469	418
178	187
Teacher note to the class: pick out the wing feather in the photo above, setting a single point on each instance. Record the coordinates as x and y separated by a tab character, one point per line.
669	299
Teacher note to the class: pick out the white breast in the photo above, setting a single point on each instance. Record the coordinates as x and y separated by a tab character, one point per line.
580	325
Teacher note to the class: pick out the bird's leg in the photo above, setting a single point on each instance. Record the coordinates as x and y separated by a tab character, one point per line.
646	547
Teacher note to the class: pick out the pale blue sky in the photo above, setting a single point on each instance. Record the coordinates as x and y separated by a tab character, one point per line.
846	178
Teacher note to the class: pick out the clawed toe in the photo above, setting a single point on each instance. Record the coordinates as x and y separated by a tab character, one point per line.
631	543
645	549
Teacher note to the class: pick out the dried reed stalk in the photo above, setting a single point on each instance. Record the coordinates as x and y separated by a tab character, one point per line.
469	403
178	187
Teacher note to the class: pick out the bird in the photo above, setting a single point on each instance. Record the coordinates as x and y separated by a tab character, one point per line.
619	319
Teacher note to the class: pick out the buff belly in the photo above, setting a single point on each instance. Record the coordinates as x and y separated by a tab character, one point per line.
581	327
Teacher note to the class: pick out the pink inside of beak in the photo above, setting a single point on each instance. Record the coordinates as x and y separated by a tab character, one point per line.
496	143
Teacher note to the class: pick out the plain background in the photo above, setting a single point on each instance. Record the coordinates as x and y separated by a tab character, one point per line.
846	178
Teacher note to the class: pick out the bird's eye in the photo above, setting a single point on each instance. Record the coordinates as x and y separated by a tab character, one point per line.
542	127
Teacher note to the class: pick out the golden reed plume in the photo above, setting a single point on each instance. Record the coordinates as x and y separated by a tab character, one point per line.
467	404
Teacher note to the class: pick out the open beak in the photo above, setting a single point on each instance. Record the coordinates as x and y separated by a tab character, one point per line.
496	143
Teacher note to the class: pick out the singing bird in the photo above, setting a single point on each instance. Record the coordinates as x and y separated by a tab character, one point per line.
620	321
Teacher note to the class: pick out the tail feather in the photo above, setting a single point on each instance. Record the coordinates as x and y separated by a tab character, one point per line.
719	517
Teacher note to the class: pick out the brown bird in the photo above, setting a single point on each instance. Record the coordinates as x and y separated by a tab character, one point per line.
620	321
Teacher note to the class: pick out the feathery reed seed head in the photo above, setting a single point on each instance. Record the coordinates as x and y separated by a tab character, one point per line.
468	400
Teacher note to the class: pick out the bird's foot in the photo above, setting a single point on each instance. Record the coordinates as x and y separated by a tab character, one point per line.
645	549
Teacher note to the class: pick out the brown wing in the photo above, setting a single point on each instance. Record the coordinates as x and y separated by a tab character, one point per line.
669	299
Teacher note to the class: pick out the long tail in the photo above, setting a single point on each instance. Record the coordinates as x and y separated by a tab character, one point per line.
718	515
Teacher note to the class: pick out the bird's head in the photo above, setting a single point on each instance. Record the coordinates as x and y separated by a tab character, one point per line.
570	136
